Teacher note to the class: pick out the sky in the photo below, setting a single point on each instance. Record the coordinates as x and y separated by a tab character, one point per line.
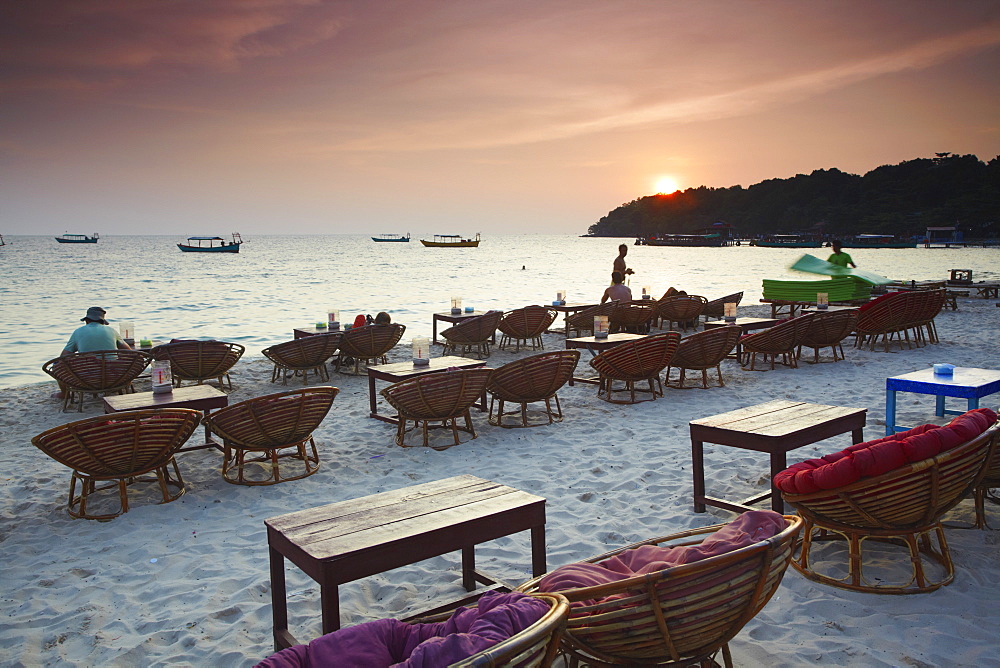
461	116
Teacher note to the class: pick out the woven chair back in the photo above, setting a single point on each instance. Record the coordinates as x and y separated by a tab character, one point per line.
683	614
717	307
98	371
632	316
886	315
583	321
199	360
371	340
438	396
681	308
274	420
639	359
527	322
474	330
305	353
930	304
705	350
534	378
120	445
828	329
781	338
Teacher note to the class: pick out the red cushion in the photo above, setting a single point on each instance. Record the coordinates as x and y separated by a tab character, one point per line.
872	458
888	295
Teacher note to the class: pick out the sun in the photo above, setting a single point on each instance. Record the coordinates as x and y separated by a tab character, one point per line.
666	185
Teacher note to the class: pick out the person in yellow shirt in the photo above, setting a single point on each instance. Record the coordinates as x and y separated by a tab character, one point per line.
839	257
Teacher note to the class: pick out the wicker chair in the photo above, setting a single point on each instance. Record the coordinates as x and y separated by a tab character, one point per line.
683	615
582	322
525	324
782	339
703	351
473	334
682	309
986	489
717	307
828	330
633	317
199	360
268	425
903	506
369	343
300	356
98	372
524	381
120	449
437	397
929	305
632	362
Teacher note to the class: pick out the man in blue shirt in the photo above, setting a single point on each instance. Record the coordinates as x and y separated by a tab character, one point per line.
96	334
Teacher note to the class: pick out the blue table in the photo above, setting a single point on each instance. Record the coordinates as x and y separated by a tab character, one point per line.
966	383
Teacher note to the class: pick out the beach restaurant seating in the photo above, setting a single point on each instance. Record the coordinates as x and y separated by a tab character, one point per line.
529	380
782	339
895	315
262	437
120	450
634	362
525	325
703	351
828	330
368	344
681	309
472	335
98	372
716	308
986	489
633	317
502	629
199	361
582	322
437	398
676	600
300	356
883	493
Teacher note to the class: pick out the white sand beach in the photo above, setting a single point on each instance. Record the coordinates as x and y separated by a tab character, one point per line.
187	583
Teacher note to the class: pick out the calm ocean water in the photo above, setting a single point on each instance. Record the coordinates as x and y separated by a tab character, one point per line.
276	283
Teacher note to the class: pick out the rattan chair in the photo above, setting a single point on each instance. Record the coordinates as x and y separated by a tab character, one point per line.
679	616
703	351
780	340
901	507
582	322
681	309
717	307
986	489
527	380
300	356
120	449
265	434
199	361
98	372
827	330
525	325
437	397
472	335
368	344
633	362
633	317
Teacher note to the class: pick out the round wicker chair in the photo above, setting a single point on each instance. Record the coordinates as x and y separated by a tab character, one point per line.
782	339
633	316
582	322
525	324
901	507
632	362
524	381
682	615
266	426
681	309
473	334
986	489
199	360
368	344
300	356
828	330
437	397
703	351
120	449
716	308
98	372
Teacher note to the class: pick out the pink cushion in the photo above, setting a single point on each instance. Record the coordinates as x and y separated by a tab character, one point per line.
872	458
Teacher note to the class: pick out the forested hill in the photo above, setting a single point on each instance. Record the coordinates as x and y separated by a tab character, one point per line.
901	199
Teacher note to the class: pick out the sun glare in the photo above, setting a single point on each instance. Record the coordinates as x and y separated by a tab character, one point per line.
666	185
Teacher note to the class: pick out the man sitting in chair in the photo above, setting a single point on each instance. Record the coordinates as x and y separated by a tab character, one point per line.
96	334
618	291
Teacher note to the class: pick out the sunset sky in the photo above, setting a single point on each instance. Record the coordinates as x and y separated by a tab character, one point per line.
463	116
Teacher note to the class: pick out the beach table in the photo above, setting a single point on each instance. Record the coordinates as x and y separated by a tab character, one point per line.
203	398
828	309
597	346
568	310
967	383
781	308
747	325
452	319
987	290
775	427
312	330
398	371
346	541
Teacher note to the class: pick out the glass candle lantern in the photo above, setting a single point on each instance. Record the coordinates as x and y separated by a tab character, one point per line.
333	318
601	326
421	350
822	299
646	292
456	305
729	311
560	297
162	378
127	330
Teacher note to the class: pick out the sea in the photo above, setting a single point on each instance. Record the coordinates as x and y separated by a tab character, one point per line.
277	282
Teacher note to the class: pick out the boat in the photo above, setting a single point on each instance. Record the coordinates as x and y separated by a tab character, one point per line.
719	234
786	241
2	242
78	238
451	241
877	241
392	238
212	244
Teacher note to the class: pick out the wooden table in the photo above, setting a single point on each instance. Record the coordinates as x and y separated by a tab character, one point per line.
398	371
987	290
567	310
203	398
345	541
967	383
778	306
745	324
596	346
452	319
775	427
302	332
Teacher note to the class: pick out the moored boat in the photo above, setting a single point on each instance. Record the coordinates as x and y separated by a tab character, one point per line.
786	241
78	238
877	241
212	244
451	241
392	238
719	234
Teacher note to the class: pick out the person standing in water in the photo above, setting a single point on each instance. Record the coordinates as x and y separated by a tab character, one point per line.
619	264
839	257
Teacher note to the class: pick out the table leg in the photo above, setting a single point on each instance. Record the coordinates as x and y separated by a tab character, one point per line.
279	606
778	464
434	328
890	412
371	394
857	435
469	567
973	403
330	604
698	472
538	550
939	405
